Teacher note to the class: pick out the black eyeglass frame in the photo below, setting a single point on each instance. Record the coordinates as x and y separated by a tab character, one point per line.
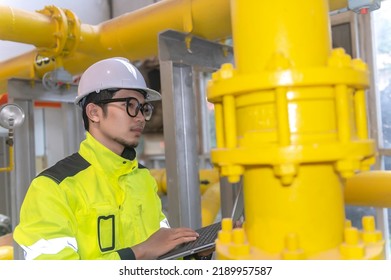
140	107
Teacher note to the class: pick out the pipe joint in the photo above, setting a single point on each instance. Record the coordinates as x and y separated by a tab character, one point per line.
233	172
67	32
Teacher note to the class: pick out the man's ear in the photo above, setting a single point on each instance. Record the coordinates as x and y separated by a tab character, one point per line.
92	111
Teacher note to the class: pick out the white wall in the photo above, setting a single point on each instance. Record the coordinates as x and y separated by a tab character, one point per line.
123	6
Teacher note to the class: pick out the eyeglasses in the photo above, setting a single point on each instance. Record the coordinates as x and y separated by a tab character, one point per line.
133	106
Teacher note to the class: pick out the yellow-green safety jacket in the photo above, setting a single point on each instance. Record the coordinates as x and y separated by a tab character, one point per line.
93	204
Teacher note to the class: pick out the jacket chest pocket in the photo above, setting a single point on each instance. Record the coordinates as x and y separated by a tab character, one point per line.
106	219
106	232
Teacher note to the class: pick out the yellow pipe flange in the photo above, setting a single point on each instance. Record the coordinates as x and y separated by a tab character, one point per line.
61	34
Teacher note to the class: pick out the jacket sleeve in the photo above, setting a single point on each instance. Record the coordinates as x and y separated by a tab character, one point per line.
47	228
47	224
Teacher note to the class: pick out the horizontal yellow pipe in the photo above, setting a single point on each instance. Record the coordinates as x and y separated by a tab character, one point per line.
19	66
207	178
26	27
372	188
133	35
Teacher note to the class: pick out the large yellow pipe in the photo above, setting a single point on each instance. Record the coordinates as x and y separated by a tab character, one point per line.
297	208
294	106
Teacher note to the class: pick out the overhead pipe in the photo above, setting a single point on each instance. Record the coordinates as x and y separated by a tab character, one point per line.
132	35
57	31
27	27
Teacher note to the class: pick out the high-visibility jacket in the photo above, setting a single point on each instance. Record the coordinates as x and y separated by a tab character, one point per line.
93	204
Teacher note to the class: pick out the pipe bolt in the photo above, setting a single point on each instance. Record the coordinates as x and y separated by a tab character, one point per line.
347	167
224	236
292	249
351	236
239	245
226	224
339	58
286	172
226	71
370	234
367	163
233	172
238	236
352	248
358	64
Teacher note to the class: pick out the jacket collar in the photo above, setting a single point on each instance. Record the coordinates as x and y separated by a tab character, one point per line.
109	162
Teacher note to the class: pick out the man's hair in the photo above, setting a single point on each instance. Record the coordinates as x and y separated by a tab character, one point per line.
93	98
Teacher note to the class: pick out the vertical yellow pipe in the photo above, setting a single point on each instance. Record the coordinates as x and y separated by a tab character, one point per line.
261	29
297	106
299	32
295	129
311	208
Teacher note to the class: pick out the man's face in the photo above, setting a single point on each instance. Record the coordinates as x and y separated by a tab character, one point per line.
116	128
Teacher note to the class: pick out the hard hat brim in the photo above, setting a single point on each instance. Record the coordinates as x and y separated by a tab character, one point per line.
152	95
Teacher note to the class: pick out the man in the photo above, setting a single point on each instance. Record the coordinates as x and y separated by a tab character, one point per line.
100	203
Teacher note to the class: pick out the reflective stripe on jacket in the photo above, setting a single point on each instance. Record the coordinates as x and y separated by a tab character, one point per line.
93	204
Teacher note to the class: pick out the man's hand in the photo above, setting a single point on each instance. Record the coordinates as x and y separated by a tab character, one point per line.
163	241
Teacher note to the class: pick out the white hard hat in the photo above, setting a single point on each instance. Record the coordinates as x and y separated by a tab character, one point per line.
113	73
